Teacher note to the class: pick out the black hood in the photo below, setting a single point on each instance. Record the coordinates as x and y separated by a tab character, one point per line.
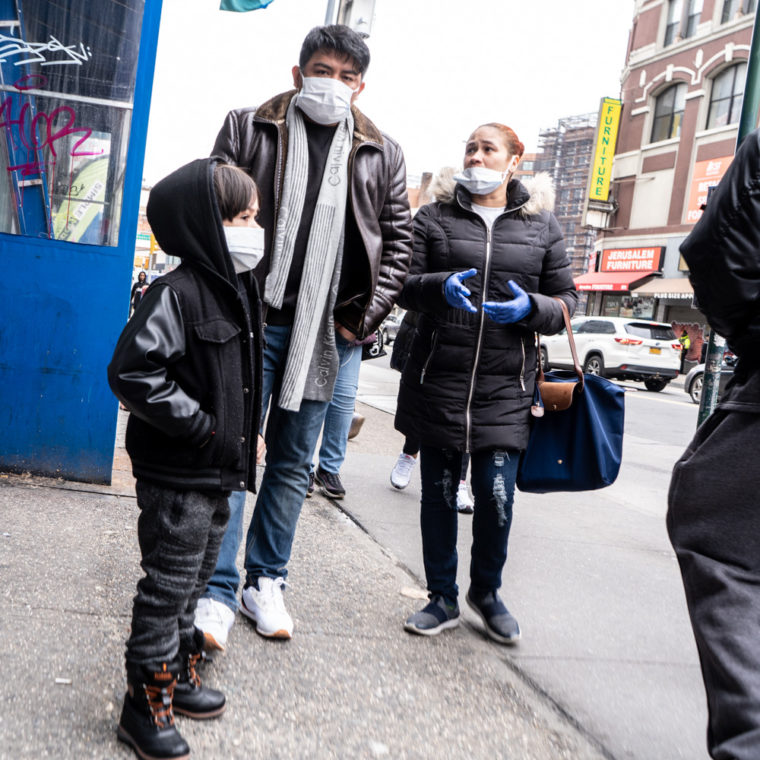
184	216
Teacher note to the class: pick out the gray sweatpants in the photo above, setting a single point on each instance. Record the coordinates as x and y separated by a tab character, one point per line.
179	534
714	526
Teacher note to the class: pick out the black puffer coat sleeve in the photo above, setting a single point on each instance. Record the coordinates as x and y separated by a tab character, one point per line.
423	290
723	254
139	372
556	281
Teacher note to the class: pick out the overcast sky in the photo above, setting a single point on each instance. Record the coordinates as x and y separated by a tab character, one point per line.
439	68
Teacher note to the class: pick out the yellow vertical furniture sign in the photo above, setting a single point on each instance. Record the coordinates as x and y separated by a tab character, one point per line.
606	136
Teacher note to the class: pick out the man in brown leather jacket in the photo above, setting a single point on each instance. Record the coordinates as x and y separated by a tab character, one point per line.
334	207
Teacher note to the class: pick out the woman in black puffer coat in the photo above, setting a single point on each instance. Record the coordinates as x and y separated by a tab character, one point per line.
489	264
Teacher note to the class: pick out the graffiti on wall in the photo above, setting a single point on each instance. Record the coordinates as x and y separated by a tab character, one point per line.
44	53
40	130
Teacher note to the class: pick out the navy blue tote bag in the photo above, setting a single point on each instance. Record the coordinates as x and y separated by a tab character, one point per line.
576	441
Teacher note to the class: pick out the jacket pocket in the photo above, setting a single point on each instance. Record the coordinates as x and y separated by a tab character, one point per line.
433	344
217	331
224	398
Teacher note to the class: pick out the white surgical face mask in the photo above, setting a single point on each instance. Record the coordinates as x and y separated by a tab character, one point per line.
246	246
324	100
479	180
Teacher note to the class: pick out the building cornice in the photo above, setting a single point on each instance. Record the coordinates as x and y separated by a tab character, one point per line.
643	56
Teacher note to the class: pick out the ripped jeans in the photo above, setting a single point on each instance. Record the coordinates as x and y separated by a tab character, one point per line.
492	479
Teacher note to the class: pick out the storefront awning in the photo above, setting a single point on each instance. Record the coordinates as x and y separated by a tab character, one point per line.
673	288
610	281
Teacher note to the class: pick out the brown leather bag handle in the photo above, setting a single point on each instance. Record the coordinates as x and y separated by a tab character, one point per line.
561	397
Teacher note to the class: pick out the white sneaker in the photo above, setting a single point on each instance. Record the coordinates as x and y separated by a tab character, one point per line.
265	606
401	473
215	619
465	504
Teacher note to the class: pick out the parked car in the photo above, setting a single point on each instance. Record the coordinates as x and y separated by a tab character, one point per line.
390	326
618	347
694	380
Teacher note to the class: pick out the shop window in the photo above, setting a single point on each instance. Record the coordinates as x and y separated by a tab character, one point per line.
668	113
683	18
734	8
67	85
726	97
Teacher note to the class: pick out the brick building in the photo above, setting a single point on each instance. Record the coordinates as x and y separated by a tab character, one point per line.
681	90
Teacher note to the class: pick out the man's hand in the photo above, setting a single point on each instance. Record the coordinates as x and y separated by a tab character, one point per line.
456	293
508	312
261	449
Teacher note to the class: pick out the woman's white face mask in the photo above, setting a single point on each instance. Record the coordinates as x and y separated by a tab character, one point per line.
246	246
481	181
324	100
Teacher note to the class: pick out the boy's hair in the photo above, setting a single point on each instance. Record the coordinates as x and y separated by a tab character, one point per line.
336	38
234	190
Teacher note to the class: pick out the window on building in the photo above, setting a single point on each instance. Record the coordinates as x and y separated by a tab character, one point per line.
683	18
693	14
675	7
726	97
732	7
668	113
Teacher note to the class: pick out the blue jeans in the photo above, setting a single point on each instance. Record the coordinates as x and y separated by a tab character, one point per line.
492	479
340	412
291	438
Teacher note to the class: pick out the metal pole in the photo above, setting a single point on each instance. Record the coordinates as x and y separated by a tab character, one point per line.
747	123
330	14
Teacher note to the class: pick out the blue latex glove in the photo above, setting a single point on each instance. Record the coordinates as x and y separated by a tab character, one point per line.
456	293
508	312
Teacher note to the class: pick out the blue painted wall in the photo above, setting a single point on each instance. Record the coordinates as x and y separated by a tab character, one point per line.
62	307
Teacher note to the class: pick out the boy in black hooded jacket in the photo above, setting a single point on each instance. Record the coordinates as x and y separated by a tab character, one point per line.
187	366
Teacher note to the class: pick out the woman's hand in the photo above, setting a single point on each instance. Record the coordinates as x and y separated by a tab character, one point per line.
508	312
261	449
456	293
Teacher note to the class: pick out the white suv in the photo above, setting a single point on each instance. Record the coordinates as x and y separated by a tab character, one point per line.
623	348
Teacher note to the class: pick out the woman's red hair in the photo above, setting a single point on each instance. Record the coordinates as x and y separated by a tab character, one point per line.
511	140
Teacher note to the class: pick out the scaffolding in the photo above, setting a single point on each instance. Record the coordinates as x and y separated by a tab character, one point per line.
565	152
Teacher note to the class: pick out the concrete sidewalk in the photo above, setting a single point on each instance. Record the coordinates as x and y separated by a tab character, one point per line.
350	684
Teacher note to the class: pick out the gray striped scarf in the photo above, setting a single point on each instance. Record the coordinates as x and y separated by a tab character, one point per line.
312	362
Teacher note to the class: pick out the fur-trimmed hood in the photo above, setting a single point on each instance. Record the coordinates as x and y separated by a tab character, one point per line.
539	189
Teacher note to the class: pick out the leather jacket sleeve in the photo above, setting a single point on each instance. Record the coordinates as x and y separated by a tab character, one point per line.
139	371
232	144
396	229
723	254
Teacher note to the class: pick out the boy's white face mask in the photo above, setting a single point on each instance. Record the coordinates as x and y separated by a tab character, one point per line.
246	246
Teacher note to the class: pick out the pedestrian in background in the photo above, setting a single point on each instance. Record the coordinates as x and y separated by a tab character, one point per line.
187	366
468	382
401	474
713	511
338	245
140	284
685	342
337	425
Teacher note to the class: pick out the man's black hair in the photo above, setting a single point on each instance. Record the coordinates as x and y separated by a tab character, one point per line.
339	39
